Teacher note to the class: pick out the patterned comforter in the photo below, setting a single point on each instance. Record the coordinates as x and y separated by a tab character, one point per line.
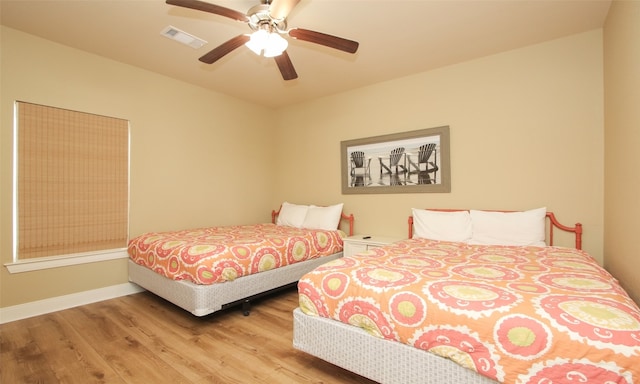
218	254
513	314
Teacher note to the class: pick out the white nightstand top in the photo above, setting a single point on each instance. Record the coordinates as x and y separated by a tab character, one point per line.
371	239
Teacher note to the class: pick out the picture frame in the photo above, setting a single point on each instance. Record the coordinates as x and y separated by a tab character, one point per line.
406	162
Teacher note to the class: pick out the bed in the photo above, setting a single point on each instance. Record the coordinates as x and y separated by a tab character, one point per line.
472	297
207	269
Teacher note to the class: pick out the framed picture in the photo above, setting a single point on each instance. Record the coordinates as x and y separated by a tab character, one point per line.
407	162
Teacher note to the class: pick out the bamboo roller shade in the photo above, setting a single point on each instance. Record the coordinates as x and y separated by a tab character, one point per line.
72	181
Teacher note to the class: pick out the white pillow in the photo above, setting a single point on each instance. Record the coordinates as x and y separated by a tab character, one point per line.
440	225
509	228
326	218
292	215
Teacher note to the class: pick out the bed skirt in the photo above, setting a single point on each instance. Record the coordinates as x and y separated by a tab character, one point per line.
202	300
377	359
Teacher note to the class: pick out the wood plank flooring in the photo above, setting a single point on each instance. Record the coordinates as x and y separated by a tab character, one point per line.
143	339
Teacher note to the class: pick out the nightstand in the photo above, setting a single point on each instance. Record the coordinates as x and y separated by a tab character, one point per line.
361	243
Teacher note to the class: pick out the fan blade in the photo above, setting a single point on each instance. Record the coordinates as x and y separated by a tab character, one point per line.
211	8
221	50
286	66
330	41
280	9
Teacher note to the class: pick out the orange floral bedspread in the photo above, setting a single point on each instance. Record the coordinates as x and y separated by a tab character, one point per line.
218	254
514	314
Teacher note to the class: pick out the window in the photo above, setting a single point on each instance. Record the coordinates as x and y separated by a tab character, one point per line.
71	183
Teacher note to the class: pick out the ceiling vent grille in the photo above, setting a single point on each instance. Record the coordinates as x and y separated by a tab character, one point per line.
183	37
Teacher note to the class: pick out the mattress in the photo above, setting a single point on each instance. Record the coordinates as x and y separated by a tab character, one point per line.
512	314
221	254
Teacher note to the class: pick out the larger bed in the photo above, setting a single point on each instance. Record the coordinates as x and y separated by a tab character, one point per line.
207	269
461	303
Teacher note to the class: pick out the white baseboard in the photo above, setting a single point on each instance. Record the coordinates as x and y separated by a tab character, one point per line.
40	307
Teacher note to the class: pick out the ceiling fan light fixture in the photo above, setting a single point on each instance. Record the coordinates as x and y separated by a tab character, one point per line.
276	44
270	44
257	41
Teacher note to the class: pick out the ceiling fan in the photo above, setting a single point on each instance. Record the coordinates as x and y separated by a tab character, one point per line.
268	20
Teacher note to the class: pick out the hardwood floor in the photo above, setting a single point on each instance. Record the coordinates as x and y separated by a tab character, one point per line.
143	339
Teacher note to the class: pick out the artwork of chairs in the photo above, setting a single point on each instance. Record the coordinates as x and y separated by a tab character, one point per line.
394	161
425	152
358	161
397	167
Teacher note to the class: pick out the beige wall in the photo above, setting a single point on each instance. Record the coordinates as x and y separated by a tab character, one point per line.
195	154
526	131
622	140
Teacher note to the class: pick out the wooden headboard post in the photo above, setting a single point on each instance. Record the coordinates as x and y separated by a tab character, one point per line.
410	227
576	229
350	218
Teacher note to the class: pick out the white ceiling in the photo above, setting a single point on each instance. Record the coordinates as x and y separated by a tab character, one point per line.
397	38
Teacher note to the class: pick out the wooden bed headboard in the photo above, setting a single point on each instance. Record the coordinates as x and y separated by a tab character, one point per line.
553	223
343	216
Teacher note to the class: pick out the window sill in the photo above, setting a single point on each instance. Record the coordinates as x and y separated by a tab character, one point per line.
65	261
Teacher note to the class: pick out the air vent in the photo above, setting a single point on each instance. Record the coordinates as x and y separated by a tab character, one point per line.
182	37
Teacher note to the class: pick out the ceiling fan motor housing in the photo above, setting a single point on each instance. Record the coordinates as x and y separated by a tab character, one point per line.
259	18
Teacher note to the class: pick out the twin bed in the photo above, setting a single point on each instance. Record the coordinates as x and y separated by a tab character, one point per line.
207	269
472	297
